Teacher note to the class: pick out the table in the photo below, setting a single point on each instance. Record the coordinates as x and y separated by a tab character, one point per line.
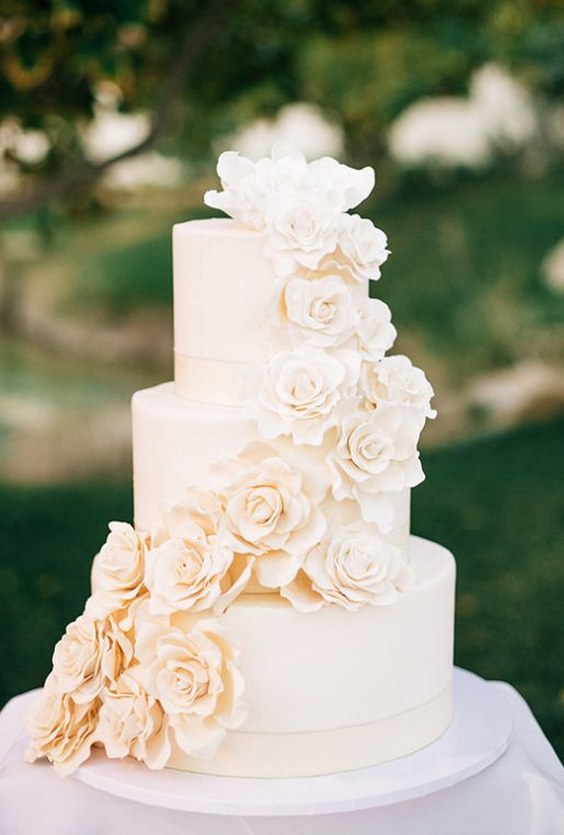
520	794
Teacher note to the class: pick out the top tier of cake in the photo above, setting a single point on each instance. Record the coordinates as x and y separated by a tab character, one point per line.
222	287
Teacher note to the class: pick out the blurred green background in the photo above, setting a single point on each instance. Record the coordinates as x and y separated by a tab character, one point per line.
111	117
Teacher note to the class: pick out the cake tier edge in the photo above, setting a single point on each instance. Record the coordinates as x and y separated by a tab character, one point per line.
338	691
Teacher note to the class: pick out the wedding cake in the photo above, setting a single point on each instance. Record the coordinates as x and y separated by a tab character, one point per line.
269	614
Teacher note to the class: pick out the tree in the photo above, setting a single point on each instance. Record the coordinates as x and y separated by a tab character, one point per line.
204	66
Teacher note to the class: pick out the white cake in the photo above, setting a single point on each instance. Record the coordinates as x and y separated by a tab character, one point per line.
269	614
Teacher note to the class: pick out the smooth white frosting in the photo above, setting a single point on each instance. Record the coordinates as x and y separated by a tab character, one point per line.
325	752
222	295
344	690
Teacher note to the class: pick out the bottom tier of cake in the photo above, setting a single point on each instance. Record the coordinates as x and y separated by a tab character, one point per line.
335	691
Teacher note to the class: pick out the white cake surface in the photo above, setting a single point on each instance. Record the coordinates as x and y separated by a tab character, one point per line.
222	289
175	441
335	690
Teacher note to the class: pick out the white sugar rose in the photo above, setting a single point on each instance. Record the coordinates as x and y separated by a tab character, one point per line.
343	187
117	570
298	393
238	198
376	334
193	674
90	654
60	729
132	723
270	511
322	311
350	568
396	380
300	231
197	506
363	244
191	572
377	453
252	191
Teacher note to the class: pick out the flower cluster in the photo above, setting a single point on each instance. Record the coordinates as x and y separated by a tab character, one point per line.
334	388
125	676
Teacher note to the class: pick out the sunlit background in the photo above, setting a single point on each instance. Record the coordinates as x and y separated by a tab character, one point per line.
111	117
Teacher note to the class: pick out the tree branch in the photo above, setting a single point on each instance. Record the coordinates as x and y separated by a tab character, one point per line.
83	173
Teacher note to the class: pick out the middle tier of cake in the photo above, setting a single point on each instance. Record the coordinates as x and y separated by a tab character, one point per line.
175	441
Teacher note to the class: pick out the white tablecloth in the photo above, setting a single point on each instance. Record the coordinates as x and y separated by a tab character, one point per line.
521	794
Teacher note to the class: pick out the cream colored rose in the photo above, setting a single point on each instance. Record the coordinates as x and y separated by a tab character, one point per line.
271	510
197	506
350	568
193	674
298	393
322	311
376	454
238	198
117	571
300	230
191	571
90	654
396	380
375	331
251	190
60	729
363	244
132	723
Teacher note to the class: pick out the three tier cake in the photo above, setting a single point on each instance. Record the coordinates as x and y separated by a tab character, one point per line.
269	614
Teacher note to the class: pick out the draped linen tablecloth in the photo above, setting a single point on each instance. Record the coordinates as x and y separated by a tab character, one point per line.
520	794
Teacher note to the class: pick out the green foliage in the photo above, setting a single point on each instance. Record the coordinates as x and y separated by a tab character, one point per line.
464	270
117	277
369	78
364	61
497	503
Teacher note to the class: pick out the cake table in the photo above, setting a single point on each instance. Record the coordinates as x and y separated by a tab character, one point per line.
520	793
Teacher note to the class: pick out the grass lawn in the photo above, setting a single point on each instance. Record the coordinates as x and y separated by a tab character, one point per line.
497	502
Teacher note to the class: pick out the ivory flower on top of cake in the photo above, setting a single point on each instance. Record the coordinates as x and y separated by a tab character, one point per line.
252	192
271	511
396	380
118	570
299	392
192	672
132	722
90	654
61	729
376	454
351	567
